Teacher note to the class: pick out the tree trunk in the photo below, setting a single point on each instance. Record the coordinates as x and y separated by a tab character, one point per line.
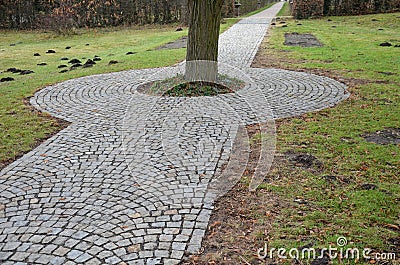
202	48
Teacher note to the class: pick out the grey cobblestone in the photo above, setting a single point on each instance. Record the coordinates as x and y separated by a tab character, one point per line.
117	185
73	254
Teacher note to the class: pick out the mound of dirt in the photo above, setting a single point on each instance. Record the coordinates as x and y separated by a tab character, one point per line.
26	72
385	44
303	159
6	79
14	70
74	61
89	63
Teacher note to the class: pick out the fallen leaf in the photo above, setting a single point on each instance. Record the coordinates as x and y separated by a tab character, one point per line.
392	226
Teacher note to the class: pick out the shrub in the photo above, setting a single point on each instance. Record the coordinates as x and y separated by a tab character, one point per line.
307	8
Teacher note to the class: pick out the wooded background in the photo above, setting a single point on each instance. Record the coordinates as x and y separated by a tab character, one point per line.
68	14
64	14
317	8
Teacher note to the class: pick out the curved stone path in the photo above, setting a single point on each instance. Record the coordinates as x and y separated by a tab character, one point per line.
133	179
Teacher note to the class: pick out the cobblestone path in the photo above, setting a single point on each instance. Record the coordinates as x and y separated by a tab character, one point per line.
133	179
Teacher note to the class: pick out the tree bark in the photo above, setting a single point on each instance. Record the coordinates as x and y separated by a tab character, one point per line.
202	48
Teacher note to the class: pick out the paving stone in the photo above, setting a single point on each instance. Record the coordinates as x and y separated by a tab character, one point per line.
80	235
32	258
171	231
73	254
124	243
119	252
57	260
83	258
70	243
134	248
11	246
48	249
127	181
93	261
130	257
104	254
18	256
24	247
61	251
35	248
43	259
110	246
150	246
145	254
36	238
178	246
113	260
177	254
94	250
83	246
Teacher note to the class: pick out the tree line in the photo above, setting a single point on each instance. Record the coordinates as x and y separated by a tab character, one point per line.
67	14
315	8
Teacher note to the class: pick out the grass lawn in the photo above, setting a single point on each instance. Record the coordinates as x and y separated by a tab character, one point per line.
352	189
342	205
21	128
285	11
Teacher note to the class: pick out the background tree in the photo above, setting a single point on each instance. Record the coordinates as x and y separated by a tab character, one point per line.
202	48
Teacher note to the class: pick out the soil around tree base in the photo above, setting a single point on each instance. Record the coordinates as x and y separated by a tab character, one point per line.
177	86
197	89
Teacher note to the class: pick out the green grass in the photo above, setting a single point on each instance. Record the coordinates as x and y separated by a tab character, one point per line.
351	52
285	11
20	128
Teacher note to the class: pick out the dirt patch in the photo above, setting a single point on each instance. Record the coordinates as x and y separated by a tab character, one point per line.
368	186
383	137
178	44
394	244
303	40
304	160
336	179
